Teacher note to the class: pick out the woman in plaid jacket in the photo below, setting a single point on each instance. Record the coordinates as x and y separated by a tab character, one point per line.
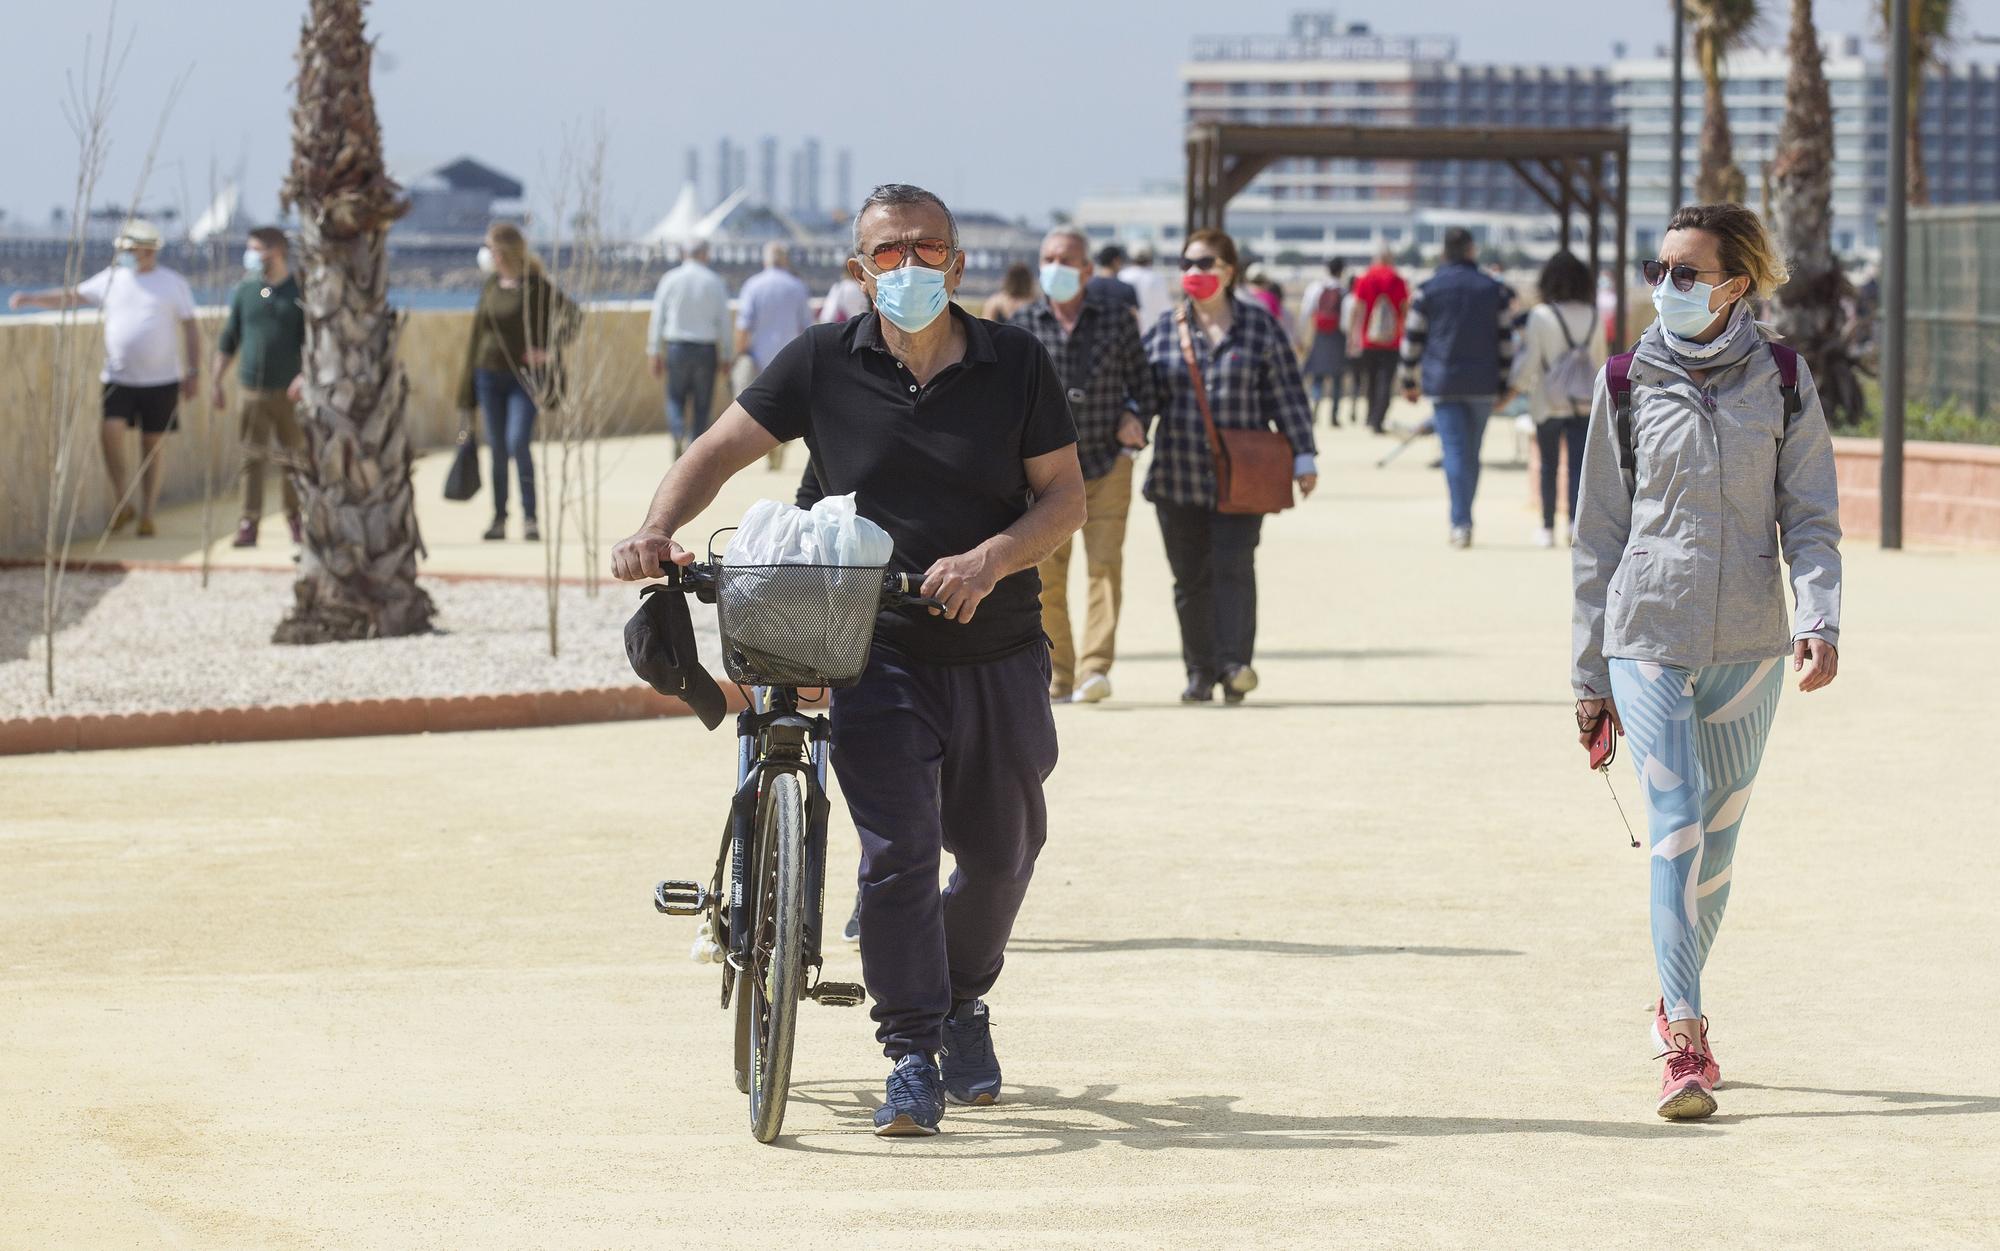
1252	378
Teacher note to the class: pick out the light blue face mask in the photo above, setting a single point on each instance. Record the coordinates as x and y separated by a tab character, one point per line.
128	260
253	261
1686	313
911	297
1061	281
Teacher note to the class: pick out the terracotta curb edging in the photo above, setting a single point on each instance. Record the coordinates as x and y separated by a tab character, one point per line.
341	719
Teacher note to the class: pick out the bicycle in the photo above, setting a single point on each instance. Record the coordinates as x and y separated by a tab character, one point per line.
784	628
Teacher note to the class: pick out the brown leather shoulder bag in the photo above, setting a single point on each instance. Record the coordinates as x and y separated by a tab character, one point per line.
1253	468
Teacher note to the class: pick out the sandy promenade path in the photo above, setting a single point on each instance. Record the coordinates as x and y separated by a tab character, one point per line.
1362	964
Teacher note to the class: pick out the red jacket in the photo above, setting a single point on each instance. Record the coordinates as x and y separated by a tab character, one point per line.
1381	282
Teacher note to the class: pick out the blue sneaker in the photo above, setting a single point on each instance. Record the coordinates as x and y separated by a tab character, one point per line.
914	1105
971	1073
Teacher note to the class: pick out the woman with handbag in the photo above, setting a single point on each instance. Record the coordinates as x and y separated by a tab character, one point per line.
1235	432
1707	458
520	324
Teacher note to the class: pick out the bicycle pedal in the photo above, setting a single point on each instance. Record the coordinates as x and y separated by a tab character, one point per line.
839	994
680	899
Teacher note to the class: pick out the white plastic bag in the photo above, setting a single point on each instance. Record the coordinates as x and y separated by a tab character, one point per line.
833	533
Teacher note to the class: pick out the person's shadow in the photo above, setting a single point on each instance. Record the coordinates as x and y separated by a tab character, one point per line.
1041	1120
1254	946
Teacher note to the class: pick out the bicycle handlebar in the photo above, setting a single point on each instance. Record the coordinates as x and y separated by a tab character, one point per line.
700	579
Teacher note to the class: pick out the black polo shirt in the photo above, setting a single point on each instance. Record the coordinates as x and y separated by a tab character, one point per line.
939	467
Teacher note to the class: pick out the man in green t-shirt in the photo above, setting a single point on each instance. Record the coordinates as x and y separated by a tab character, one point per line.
267	324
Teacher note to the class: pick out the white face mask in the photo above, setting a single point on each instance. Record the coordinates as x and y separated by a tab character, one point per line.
485	259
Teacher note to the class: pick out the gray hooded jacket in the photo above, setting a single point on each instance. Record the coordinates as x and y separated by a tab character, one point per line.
1682	570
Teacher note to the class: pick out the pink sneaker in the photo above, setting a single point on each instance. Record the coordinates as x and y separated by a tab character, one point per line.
1685	1092
1710	1069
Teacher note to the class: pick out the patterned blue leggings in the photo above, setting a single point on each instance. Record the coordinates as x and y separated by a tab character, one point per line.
1696	740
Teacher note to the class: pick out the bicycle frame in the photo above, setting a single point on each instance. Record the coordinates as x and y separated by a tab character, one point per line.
773	736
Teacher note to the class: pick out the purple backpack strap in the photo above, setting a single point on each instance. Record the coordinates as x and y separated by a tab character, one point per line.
1787	360
1618	379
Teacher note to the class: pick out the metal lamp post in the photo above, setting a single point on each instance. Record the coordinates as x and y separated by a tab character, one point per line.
1895	274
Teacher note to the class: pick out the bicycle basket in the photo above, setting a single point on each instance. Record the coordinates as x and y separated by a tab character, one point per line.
797	625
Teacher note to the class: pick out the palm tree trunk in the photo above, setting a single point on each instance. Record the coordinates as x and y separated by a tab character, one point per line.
358	574
1809	309
1719	179
1920	191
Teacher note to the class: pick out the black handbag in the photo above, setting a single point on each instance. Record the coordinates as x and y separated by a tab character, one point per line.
462	483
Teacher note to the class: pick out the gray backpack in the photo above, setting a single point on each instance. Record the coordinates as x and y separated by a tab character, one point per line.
1568	381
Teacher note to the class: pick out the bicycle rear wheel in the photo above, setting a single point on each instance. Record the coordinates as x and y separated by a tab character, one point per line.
776	978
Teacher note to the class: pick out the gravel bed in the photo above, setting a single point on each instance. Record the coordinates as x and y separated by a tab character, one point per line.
153	641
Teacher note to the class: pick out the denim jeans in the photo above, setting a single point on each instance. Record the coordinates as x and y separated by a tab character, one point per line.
1461	427
510	433
1550	437
1214	561
690	387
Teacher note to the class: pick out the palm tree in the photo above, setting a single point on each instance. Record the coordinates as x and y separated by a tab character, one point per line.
1719	27
1809	308
1930	33
358	575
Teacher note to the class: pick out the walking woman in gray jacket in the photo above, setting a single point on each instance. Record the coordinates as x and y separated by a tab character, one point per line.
1680	627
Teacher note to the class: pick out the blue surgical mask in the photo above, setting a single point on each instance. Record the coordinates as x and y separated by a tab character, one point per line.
128	260
1686	313
1061	281
253	261
911	297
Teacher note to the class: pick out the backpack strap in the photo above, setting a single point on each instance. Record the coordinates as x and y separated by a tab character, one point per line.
1618	377
1787	360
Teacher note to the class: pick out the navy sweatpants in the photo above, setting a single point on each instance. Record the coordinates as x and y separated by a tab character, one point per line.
936	758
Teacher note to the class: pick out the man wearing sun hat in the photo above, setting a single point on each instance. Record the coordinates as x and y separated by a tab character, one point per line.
152	359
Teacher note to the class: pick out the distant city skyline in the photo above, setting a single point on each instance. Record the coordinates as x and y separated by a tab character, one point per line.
1029	113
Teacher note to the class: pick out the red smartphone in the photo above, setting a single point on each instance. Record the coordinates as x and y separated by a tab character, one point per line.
1603	742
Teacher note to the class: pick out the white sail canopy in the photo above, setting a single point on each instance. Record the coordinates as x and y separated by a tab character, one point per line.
219	218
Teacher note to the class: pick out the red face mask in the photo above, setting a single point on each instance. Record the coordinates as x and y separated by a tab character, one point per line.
1200	285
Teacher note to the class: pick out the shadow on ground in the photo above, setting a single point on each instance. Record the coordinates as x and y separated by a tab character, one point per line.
1254	946
21	606
1041	1120
1314	653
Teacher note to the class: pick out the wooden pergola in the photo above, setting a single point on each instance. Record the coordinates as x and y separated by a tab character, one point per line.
1566	167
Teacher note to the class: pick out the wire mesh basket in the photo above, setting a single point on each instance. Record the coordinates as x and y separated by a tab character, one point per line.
797	625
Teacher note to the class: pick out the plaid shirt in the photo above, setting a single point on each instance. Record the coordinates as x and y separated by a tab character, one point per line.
1253	383
1098	390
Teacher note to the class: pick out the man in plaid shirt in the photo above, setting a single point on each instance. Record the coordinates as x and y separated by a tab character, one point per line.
1097	354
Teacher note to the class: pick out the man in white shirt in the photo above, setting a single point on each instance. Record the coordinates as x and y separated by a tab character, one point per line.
688	338
774	308
152	359
1148	285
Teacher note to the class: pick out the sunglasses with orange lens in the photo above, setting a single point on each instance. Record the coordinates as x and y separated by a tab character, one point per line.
932	253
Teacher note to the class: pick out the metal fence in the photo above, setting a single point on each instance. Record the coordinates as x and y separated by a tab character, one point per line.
1954	307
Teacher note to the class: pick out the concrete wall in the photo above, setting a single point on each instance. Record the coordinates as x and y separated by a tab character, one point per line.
432	349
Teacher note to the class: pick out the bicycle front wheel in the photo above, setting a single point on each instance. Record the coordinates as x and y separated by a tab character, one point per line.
776	977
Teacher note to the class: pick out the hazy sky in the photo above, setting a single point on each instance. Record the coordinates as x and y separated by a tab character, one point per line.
1017	105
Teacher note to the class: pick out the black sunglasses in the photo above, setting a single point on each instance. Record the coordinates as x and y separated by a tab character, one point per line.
1202	263
1656	272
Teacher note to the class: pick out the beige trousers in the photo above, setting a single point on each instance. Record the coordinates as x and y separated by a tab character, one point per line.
261	417
1108	501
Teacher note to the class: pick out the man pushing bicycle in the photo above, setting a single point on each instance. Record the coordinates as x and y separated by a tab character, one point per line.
955	437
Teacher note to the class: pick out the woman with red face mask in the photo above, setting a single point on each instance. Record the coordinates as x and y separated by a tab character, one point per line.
1245	370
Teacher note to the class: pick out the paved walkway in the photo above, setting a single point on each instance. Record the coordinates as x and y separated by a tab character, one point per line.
1363	963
